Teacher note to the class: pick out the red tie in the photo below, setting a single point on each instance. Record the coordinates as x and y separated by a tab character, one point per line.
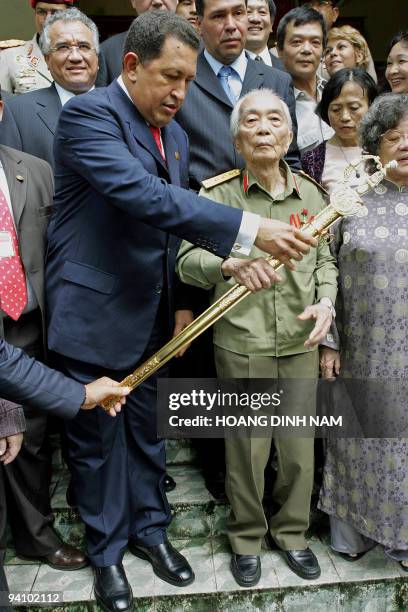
156	135
13	290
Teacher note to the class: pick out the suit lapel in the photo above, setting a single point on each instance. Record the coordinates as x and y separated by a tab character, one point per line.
254	76
13	168
49	108
206	79
172	155
137	125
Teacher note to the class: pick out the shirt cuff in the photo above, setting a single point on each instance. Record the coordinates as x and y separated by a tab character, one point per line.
248	231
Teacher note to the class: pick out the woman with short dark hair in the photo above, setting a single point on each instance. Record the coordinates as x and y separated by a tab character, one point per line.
396	72
345	100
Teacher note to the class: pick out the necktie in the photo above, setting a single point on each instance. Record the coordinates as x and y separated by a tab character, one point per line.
258	58
223	74
156	135
13	290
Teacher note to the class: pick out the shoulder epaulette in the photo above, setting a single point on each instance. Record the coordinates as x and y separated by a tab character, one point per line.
220	178
309	178
8	44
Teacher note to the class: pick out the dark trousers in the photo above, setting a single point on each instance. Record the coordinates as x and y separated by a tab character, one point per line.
118	465
27	478
3	520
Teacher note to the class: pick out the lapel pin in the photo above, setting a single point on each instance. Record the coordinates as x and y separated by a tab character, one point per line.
177	155
20	178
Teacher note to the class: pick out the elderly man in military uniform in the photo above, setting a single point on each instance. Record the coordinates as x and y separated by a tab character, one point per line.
22	64
274	334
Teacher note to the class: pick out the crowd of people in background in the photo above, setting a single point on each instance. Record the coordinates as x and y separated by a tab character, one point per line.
140	179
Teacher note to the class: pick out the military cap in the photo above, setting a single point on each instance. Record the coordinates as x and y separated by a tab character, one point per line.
34	2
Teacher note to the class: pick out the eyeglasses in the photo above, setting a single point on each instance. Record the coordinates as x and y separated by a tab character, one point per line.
394	137
63	50
41	12
322	3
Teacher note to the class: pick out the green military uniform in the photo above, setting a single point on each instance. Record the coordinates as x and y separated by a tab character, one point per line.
23	67
262	338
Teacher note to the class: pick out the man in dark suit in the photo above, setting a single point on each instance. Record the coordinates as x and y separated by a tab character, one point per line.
121	165
24	379
70	44
211	97
110	59
261	15
26	191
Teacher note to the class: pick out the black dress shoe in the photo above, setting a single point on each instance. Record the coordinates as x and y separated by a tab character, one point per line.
168	564
112	590
303	563
246	569
169	483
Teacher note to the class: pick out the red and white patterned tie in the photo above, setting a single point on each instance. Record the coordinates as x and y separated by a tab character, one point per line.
13	290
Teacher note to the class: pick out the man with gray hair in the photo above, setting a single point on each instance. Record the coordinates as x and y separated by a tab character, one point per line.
70	43
275	335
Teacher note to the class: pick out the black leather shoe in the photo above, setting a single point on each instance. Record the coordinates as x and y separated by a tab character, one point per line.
303	563
169	483
168	564
246	569
112	590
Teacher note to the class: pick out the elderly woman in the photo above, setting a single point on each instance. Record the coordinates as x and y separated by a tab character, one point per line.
365	485
271	335
396	72
345	100
346	48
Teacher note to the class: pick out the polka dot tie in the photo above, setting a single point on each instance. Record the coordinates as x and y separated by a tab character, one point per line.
13	290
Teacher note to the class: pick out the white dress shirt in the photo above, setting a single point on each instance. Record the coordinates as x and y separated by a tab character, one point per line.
312	130
250	222
264	55
64	94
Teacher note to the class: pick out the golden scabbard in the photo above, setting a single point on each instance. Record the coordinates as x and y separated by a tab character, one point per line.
343	202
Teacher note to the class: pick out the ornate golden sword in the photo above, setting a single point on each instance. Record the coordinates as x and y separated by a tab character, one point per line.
344	201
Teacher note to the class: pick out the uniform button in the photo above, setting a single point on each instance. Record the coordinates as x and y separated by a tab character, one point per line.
279	318
237	246
158	288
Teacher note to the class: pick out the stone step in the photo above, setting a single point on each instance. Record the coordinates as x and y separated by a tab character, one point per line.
178	452
195	512
372	584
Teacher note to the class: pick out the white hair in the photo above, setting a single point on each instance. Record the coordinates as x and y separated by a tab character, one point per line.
67	16
263	93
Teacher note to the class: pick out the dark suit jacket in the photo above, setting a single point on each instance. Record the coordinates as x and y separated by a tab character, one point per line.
23	379
9	134
31	199
277	62
110	59
36	115
205	115
111	253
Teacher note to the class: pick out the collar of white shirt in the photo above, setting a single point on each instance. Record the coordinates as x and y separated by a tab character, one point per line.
239	65
264	55
64	94
320	83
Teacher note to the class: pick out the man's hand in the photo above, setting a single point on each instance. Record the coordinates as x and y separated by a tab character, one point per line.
101	389
323	317
283	241
254	274
10	447
329	363
182	318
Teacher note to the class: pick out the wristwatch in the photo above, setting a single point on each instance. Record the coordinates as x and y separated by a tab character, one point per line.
327	302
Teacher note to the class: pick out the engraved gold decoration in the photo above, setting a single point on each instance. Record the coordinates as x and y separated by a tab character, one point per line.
344	201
